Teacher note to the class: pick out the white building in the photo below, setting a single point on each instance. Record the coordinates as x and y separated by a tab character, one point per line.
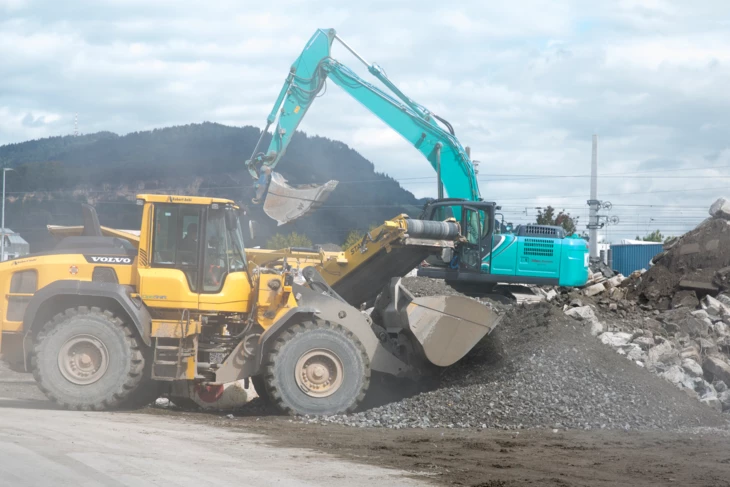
15	245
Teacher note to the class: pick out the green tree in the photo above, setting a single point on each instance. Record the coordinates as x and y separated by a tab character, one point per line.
654	236
294	239
562	219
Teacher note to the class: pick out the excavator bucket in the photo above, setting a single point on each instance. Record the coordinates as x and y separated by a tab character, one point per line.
446	327
285	203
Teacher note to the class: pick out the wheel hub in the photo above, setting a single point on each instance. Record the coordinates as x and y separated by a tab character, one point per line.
319	373
83	359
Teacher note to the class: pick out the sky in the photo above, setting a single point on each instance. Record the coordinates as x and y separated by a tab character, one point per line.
525	85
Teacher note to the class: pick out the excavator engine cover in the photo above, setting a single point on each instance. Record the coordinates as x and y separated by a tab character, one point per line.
285	203
446	327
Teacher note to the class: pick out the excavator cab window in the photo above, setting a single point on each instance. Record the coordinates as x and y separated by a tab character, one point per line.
444	212
476	223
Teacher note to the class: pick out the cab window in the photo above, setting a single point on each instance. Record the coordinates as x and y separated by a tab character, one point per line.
175	240
477	225
224	251
445	212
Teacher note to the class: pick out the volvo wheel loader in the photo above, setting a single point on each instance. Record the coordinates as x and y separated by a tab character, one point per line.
106	322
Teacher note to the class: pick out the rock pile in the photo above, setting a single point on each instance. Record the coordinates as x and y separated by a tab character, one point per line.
553	374
686	346
673	319
693	266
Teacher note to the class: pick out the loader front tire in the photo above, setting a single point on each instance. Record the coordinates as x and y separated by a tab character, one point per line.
88	359
317	368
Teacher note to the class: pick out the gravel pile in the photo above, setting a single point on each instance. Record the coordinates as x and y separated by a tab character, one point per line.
552	374
695	264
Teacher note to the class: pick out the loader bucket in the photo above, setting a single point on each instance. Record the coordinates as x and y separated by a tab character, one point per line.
447	327
285	203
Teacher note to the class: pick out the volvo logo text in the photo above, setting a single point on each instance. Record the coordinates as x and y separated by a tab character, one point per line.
100	259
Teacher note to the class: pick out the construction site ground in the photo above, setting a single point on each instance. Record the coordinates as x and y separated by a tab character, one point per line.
156	446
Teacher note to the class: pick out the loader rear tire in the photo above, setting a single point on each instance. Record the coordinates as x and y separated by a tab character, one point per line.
88	359
317	368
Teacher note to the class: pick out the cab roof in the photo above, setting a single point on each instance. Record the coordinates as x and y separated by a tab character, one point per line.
189	200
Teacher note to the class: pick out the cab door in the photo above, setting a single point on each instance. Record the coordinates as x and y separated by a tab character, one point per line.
477	227
225	283
172	279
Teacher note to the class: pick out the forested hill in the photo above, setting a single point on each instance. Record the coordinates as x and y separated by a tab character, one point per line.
54	175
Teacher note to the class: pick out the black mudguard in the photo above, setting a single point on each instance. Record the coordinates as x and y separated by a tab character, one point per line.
134	308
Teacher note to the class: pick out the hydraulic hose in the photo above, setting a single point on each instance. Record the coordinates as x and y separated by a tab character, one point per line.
445	122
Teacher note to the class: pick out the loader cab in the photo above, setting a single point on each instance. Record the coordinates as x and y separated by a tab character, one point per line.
192	254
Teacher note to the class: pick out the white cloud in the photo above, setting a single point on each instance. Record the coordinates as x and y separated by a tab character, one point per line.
525	84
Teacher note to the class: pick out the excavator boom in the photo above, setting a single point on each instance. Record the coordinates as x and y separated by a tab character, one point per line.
415	123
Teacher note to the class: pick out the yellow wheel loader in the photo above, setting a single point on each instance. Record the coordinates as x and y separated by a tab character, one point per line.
104	321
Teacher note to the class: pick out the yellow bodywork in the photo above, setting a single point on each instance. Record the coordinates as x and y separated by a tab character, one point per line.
259	295
333	266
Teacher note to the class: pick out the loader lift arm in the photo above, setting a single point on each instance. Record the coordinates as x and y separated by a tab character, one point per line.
412	121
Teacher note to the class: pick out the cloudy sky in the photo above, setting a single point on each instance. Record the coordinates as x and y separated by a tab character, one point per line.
525	84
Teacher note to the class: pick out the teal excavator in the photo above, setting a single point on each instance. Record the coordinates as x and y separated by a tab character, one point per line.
491	252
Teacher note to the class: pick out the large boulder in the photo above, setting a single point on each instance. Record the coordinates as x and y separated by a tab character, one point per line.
685	299
715	307
720	209
594	289
724	398
722	278
615	339
582	313
691	352
717	369
644	342
662	356
724	298
676	375
692	368
681	320
587	315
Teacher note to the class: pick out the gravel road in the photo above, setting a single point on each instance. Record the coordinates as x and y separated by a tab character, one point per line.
41	445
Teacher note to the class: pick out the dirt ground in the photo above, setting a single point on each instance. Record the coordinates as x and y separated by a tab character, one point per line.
487	458
491	458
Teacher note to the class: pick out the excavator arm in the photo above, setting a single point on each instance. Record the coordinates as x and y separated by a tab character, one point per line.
411	120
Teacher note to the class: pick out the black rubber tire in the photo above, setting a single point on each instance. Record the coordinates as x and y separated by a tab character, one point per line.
259	385
125	372
281	360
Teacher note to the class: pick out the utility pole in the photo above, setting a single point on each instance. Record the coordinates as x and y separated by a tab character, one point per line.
2	243
594	204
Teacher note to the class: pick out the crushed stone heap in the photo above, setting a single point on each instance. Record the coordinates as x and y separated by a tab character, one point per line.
552	373
696	264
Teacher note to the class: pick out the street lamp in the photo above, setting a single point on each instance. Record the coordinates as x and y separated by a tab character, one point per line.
2	243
